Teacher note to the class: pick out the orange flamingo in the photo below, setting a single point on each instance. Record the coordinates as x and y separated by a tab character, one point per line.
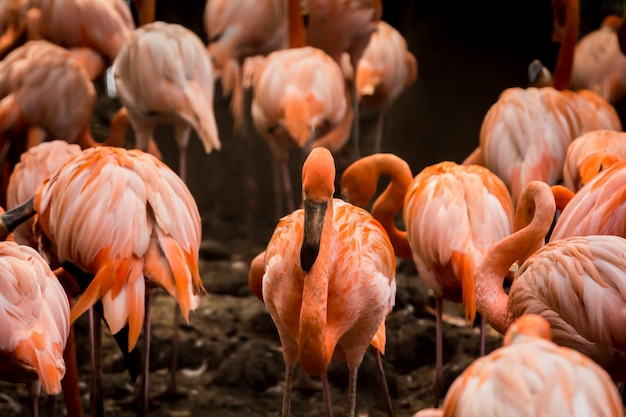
101	26
525	134
531	376
35	166
329	281
384	71
599	65
445	253
300	100
164	75
35	322
110	192
598	208
240	29
575	283
591	153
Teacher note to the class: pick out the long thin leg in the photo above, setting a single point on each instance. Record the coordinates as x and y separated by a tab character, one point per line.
326	392
51	405
383	381
34	388
438	353
351	406
69	383
144	409
95	334
287	391
379	131
482	335
355	123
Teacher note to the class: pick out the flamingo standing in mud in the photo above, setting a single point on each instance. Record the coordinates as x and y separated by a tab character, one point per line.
525	134
35	322
446	253
531	376
300	100
106	193
384	71
576	283
329	281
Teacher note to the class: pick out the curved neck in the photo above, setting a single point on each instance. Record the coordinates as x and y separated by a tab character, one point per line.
565	59
533	218
315	346
117	132
295	25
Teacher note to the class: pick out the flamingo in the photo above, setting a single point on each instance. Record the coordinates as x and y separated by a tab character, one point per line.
591	153
101	26
576	283
525	134
110	192
300	100
531	376
240	29
445	252
35	322
329	281
164	75
599	65
384	71
344	27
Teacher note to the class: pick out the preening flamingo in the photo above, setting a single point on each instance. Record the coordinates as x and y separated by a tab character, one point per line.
525	134
576	283
36	165
329	281
238	29
35	317
598	208
591	153
599	65
147	233
453	215
164	75
300	100
531	376
384	71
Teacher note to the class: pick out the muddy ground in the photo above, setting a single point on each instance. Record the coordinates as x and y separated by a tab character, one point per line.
230	352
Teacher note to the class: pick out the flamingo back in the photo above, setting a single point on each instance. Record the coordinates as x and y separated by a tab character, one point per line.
34	318
35	166
51	89
582	298
361	290
453	215
130	220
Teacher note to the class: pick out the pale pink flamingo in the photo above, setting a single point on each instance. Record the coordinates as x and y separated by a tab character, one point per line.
300	100
525	134
147	233
328	299
591	153
35	317
446	252
531	376
576	283
383	72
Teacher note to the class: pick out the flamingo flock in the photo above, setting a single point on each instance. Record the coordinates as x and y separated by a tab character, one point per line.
96	227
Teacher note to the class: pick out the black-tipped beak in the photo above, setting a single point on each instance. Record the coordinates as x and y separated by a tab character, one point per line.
313	224
13	218
535	69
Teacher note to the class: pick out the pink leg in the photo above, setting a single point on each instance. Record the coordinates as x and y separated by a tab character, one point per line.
379	361
287	391
438	353
327	399
144	409
95	334
482	335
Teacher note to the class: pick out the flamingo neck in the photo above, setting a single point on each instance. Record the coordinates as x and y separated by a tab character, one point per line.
533	218
297	38
565	59
315	347
117	133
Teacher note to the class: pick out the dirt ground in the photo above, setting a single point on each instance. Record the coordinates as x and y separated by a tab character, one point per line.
230	352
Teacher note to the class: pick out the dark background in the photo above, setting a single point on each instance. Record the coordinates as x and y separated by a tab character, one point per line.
468	52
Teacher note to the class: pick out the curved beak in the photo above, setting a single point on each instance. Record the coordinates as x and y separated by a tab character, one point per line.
313	224
13	218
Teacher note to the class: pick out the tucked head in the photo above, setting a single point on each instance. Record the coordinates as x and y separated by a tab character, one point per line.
528	325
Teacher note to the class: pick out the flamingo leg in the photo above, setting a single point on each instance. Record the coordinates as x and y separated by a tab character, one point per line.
34	388
287	187
379	362
438	353
69	383
51	405
95	335
287	391
482	335
144	408
278	188
326	391
355	123
351	406
379	132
